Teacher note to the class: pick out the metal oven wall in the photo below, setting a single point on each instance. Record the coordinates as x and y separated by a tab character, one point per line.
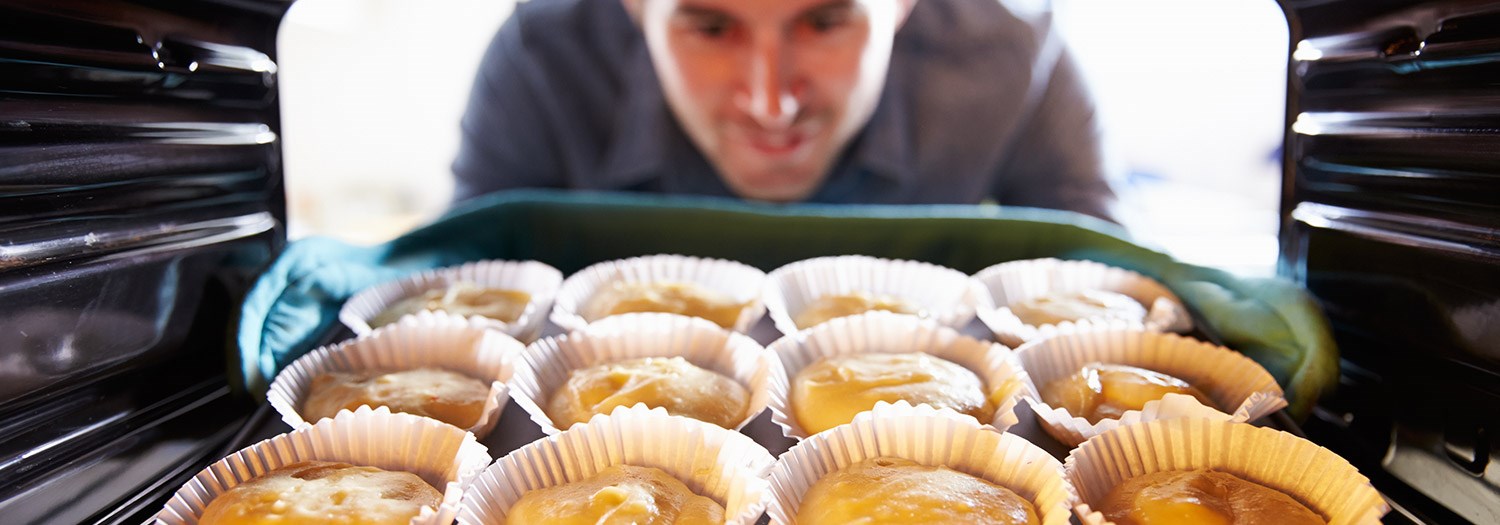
140	193
1390	217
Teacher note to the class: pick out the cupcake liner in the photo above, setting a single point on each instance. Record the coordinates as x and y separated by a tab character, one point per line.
927	436
739	281
1017	281
1232	380
1312	475
546	364
945	295
537	279
425	339
442	455
890	333
721	464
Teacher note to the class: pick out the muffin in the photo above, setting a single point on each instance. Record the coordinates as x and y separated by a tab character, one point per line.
1107	391
1202	496
804	293
833	371
364	466
688	366
899	463
1036	298
622	494
1190	470
431	364
464	299
673	383
722	291
899	491
1084	383
446	396
634	465
512	297
317	492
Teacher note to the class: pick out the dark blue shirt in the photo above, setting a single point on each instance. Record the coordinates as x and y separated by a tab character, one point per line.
980	103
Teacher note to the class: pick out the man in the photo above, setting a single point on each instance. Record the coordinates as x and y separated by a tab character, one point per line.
874	101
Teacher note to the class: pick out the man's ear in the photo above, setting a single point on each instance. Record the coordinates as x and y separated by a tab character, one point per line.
633	7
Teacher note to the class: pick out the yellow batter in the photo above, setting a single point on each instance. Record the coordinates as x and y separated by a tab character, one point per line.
618	495
452	398
460	299
834	306
671	383
900	491
670	297
319	492
1076	306
1202	497
1106	391
830	392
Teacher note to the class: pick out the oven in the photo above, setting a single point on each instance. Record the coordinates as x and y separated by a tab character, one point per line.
141	196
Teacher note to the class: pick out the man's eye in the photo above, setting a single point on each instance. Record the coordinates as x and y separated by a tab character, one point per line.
712	27
825	20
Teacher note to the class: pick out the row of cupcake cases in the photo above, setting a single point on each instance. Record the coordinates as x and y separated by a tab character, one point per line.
482	355
531	374
947	296
436	339
742	476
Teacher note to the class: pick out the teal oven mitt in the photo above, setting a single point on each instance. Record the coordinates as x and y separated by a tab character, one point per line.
296	302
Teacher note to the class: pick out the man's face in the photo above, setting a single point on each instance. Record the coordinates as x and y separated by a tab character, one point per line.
771	90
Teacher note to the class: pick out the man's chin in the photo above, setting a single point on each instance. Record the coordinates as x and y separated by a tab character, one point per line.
773	187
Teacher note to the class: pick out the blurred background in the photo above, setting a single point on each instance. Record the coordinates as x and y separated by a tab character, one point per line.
372	92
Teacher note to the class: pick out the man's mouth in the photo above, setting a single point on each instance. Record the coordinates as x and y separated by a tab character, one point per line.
776	143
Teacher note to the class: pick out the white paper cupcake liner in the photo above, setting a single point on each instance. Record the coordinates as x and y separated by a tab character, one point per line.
442	455
537	279
927	436
1016	281
1313	475
1232	380
721	464
890	333
739	281
423	340
546	364
944	294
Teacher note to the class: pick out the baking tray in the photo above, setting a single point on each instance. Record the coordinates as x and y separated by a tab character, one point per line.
294	305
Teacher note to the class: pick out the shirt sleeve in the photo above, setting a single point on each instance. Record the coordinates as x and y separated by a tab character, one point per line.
1057	160
505	141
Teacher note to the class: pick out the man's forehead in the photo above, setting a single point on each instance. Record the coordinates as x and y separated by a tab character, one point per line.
768	10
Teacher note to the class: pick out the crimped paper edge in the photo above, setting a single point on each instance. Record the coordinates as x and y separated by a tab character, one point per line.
928	436
638	436
1197	443
346	437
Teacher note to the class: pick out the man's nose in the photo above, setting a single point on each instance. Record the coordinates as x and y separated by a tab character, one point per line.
773	103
